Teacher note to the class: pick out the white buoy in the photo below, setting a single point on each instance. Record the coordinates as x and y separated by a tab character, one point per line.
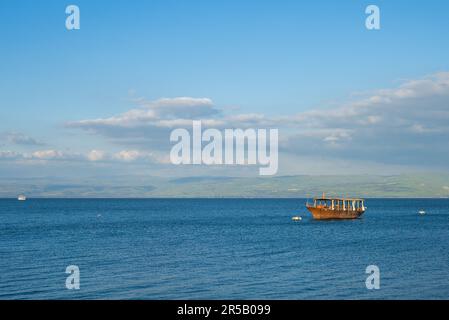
296	218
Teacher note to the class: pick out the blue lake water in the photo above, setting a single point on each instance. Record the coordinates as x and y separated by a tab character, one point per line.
221	249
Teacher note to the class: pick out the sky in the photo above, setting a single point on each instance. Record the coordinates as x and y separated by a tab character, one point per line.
102	100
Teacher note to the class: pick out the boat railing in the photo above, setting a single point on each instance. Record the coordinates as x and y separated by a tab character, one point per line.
338	204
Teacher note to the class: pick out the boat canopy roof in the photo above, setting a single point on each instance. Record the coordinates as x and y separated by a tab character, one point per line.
340	199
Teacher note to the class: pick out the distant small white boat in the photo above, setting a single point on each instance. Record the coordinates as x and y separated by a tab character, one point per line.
296	218
421	212
21	197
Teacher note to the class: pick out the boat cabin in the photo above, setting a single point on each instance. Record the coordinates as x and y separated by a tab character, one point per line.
339	204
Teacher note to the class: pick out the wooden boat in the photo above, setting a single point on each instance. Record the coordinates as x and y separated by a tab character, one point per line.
336	208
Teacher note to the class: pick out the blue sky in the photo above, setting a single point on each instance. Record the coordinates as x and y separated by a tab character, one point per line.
276	58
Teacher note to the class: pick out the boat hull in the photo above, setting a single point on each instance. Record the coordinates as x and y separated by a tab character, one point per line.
328	214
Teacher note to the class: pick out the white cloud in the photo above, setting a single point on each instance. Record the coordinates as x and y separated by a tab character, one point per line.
405	125
18	138
129	155
48	155
45	156
155	113
95	155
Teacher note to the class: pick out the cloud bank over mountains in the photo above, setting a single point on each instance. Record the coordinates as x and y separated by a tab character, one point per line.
407	125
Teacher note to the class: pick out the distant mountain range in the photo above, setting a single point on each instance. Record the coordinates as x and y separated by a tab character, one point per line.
416	185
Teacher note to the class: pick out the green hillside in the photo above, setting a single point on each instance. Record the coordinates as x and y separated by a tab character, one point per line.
424	185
